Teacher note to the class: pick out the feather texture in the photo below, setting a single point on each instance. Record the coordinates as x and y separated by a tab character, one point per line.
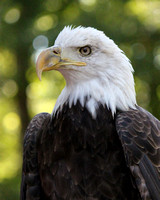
31	183
79	158
139	132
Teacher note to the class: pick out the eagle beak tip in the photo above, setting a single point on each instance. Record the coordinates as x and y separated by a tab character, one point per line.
39	77
39	73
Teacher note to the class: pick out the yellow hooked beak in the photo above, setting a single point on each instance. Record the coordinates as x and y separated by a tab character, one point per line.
50	59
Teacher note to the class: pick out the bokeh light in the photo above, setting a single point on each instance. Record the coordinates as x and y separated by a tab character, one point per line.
88	2
40	41
11	122
148	12
87	5
12	15
10	88
46	22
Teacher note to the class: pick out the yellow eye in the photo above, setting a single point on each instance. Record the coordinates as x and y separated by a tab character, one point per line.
85	51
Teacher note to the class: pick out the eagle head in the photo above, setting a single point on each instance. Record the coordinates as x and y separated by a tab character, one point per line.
95	69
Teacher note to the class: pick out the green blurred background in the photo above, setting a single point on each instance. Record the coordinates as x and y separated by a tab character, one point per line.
27	26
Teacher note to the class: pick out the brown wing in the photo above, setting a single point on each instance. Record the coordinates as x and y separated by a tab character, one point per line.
30	184
139	132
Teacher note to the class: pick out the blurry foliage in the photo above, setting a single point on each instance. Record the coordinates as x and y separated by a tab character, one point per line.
26	27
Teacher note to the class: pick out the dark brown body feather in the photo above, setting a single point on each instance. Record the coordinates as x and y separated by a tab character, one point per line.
76	157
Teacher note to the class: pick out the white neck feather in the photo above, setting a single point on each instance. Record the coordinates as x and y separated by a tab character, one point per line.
115	93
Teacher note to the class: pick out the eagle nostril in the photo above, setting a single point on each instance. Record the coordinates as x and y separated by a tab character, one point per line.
56	51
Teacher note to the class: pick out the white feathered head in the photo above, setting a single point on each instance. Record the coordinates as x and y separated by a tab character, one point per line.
95	69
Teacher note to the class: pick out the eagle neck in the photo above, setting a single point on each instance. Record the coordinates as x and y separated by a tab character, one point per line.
94	92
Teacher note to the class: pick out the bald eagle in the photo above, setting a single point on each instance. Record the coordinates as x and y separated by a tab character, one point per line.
97	144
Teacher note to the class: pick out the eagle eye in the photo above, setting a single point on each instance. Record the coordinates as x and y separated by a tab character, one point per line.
85	51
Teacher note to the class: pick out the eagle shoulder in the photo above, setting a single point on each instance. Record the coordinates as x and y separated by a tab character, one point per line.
139	133
30	184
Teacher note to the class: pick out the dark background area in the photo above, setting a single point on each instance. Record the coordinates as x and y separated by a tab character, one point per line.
28	26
